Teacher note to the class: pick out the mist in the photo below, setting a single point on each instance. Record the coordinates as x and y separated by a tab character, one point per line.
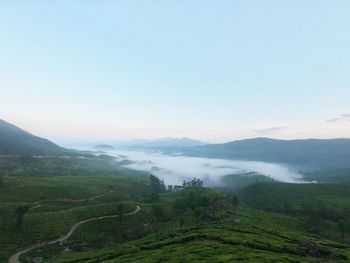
174	169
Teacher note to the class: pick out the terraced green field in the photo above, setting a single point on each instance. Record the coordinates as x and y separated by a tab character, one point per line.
259	237
55	203
323	208
274	222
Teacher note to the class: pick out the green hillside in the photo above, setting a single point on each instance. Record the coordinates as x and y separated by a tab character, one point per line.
329	176
191	224
88	209
313	154
15	141
239	234
55	203
323	208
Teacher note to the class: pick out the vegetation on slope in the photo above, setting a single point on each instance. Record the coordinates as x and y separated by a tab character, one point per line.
55	203
41	198
256	237
329	176
15	141
88	165
232	183
313	154
323	208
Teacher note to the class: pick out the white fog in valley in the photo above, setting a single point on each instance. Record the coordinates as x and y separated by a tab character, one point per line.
174	169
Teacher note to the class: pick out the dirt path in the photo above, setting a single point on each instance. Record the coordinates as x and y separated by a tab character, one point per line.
15	257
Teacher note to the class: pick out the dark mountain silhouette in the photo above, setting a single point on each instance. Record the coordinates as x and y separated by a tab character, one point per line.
15	141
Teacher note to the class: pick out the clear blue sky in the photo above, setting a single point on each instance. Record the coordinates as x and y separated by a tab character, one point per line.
212	70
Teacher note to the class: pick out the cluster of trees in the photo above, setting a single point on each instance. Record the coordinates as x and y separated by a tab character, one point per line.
193	201
317	217
10	218
235	202
20	213
191	183
157	185
6	218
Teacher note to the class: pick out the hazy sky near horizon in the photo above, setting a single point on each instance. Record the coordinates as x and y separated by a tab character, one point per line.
211	70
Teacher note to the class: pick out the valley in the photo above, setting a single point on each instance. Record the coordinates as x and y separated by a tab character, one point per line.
145	206
174	131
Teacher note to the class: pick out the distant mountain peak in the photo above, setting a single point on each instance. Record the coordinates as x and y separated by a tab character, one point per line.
301	153
165	142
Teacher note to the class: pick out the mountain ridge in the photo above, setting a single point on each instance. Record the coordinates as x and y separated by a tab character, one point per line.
16	141
164	142
305	154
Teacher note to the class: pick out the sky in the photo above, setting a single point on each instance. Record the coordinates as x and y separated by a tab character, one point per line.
211	70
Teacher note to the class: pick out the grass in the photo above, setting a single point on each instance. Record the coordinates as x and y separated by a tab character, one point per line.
74	165
331	176
232	183
52	218
321	207
196	224
259	238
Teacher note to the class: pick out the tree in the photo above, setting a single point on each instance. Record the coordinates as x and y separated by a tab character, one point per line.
120	210
2	182
157	185
5	217
192	183
235	202
158	214
197	213
347	227
287	207
20	212
341	226
154	197
177	188
182	221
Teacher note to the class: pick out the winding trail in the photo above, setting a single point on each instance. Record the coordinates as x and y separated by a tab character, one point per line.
15	257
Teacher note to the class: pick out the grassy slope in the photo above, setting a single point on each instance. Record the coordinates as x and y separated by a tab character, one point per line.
232	183
14	141
321	206
335	195
39	167
332	176
259	237
305	154
53	218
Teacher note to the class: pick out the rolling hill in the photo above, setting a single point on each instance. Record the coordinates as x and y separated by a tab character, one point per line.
15	141
165	142
309	154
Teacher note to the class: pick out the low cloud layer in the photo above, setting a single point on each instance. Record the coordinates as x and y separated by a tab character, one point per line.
175	169
340	119
270	130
